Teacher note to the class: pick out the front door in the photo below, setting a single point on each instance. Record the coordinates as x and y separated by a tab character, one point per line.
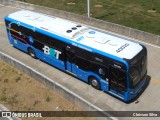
117	80
70	60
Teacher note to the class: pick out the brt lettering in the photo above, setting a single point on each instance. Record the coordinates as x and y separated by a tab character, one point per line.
52	52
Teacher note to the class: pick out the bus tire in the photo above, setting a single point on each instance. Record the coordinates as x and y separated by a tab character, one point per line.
31	53
94	83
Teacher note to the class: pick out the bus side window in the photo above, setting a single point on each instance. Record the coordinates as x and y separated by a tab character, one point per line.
102	71
82	64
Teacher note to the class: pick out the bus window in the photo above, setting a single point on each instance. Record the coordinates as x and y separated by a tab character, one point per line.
102	71
82	64
70	55
117	80
138	71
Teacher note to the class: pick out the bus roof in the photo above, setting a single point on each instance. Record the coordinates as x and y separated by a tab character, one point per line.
77	33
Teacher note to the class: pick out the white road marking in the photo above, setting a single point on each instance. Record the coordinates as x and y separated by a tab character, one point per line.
1	23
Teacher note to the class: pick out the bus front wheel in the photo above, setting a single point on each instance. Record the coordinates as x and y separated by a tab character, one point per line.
31	53
94	83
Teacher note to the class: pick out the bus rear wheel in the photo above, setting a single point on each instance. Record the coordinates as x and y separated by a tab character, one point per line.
94	83
31	53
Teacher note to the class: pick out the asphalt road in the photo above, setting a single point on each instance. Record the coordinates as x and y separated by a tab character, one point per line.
148	101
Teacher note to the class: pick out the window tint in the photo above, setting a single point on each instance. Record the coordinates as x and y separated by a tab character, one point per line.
82	64
17	34
100	70
52	42
83	53
117	79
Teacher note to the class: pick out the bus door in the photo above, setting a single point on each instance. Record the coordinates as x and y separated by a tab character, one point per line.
117	80
70	60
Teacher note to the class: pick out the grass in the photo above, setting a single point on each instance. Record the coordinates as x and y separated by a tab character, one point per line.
48	99
5	80
3	98
140	14
17	79
36	102
20	92
13	100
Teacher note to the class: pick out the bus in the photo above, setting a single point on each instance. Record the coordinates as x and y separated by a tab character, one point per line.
107	62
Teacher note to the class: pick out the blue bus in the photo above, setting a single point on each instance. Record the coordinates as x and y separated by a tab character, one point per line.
107	62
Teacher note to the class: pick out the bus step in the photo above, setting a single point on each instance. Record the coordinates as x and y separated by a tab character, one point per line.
71	73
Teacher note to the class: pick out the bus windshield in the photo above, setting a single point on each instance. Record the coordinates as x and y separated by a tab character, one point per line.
138	69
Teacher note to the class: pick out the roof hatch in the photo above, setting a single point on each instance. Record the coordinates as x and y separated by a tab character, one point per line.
75	31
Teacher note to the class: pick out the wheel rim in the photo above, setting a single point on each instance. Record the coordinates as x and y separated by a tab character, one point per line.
31	53
94	82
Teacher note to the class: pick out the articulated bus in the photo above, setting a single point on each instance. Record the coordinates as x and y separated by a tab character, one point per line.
107	62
